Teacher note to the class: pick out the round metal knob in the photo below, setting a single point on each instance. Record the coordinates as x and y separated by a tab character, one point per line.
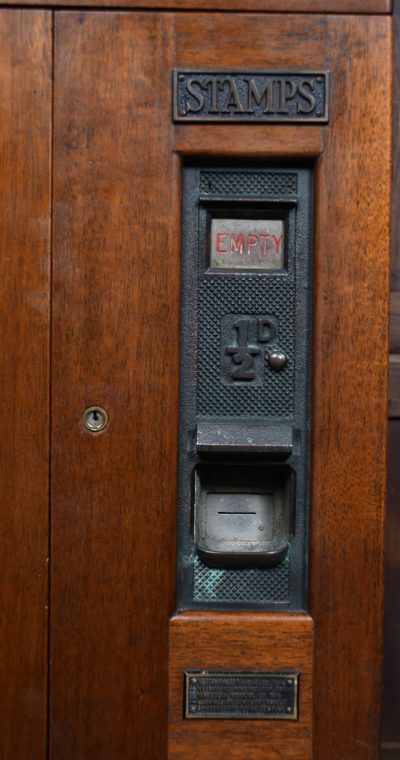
277	360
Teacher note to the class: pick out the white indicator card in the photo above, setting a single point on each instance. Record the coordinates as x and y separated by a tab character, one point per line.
247	244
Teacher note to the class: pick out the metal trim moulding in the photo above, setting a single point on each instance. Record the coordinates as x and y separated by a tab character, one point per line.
251	95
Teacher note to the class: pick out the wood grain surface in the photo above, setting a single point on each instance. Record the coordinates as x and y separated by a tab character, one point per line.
226	140
231	641
116	302
115	338
25	116
349	391
350	346
260	6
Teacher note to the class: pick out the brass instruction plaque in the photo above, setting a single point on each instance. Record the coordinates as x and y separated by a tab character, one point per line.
250	96
241	695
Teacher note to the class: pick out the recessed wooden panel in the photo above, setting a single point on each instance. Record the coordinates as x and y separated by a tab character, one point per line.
117	249
350	340
115	343
25	116
231	641
253	142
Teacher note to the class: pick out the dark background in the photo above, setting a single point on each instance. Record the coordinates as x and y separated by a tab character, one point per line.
391	661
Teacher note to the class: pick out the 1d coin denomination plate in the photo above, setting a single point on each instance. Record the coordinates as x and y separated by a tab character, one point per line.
241	695
250	96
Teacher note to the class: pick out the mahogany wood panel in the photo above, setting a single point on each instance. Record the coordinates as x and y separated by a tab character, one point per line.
228	641
115	343
350	344
261	6
223	140
349	391
25	117
391	667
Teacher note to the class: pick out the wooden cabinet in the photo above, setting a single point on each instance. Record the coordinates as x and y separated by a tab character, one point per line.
91	174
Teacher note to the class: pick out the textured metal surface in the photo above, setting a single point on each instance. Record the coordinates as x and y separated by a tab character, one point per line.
248	182
235	694
250	96
231	322
253	526
260	585
232	436
216	298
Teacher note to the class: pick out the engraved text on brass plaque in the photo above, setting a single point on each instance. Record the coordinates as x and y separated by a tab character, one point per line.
235	694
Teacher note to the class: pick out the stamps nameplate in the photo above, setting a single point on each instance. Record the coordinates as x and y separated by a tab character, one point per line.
241	695
251	96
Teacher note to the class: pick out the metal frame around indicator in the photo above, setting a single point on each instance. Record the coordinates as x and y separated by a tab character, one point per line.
255	208
195	674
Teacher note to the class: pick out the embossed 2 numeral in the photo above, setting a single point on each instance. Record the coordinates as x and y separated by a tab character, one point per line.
243	354
245	371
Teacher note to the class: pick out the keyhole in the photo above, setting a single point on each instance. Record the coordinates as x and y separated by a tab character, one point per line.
95	418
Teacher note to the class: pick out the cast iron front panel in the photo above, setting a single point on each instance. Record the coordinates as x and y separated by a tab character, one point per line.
236	585
248	184
221	296
212	303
